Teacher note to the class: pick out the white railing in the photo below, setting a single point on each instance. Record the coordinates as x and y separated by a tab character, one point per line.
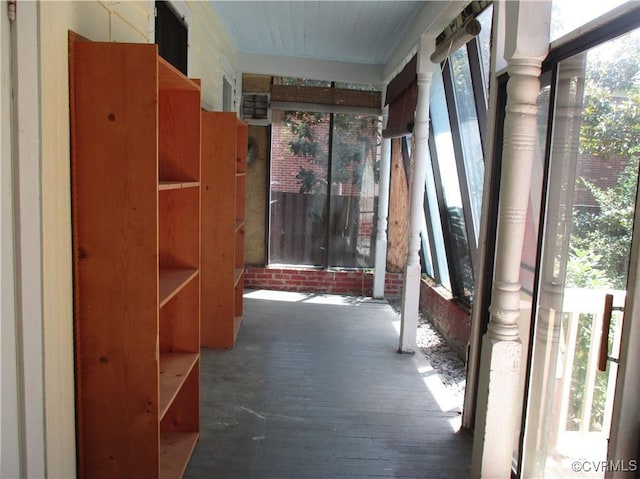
589	305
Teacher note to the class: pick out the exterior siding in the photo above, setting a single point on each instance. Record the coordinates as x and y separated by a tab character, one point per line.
209	50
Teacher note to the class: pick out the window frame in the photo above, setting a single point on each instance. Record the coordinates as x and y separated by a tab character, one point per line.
328	258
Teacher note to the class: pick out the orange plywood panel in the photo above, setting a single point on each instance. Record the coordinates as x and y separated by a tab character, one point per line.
126	225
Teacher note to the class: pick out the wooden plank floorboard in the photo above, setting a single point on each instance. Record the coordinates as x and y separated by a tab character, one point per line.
317	391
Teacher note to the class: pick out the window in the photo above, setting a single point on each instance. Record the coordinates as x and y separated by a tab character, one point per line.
227	95
324	188
447	181
454	183
565	17
468	131
590	187
171	35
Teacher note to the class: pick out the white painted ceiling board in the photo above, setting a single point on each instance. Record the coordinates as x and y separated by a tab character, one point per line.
363	32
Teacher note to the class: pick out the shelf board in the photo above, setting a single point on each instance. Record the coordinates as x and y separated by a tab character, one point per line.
177	185
239	225
170	78
237	276
174	369
175	450
241	174
172	281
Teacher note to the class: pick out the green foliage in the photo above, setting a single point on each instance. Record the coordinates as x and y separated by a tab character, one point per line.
601	237
582	270
610	130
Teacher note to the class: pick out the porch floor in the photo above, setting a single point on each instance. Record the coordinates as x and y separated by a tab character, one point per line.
315	388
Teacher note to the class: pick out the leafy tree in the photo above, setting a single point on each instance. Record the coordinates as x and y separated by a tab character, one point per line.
354	137
601	237
610	130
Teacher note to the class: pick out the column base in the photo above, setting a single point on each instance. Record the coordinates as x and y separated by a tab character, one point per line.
496	409
410	308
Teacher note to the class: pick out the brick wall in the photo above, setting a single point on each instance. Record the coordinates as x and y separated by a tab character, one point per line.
451	319
319	281
603	172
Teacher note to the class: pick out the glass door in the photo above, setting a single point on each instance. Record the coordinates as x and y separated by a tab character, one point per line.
582	278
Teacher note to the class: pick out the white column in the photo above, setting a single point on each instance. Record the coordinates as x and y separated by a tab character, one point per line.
383	213
526	45
411	290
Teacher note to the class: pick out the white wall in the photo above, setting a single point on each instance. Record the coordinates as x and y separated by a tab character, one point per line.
130	21
211	52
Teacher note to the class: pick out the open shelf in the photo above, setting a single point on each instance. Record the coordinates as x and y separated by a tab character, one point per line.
137	299
174	370
223	177
172	281
175	450
177	185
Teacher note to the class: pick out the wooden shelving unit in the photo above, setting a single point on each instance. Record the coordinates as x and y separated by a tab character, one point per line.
136	129
224	189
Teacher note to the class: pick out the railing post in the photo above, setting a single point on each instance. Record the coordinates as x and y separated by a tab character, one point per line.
383	212
526	45
412	274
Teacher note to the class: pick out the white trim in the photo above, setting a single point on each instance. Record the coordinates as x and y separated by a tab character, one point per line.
28	237
624	443
10	445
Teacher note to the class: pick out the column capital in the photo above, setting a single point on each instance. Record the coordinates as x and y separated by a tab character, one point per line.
528	25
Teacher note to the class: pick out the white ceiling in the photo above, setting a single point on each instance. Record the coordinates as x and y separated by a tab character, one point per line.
347	40
347	31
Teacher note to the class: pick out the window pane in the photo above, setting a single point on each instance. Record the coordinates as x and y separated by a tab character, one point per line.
434	225
298	219
354	190
567	15
590	199
460	262
484	40
469	132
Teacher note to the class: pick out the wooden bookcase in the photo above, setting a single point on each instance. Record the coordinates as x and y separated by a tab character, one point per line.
224	188
136	240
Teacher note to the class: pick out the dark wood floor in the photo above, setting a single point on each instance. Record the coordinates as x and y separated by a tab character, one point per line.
315	389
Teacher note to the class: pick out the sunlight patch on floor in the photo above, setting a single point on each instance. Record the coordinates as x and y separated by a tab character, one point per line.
445	399
286	296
